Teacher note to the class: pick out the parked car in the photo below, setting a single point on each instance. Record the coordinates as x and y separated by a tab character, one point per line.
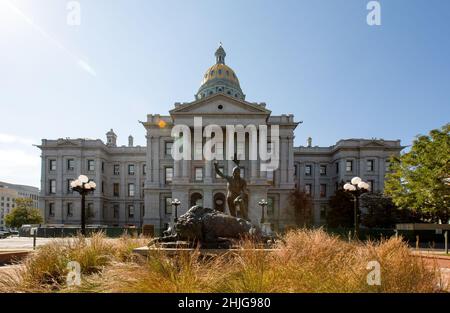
4	234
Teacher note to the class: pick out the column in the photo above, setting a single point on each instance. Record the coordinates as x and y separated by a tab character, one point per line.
283	159
185	170
316	177
380	164
176	169
207	198
149	162
43	191
208	167
290	160
155	157
230	165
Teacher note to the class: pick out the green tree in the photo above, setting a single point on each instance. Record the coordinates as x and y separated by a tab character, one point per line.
23	213
381	212
301	202
419	179
341	209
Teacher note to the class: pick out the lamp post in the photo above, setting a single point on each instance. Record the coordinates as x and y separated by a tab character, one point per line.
263	204
83	186
176	203
265	226
356	188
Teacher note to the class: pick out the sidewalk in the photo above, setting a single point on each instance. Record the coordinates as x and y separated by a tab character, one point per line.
22	243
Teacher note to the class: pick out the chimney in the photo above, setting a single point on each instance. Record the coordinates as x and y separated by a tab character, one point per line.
130	141
309	142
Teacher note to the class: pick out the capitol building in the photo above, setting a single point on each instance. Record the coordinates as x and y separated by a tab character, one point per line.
136	185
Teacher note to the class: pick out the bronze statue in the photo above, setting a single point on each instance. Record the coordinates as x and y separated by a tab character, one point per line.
237	194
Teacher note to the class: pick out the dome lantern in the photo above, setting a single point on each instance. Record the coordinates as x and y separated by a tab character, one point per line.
220	55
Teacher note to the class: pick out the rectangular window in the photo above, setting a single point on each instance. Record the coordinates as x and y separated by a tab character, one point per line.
323	170
168	148
168	175
51	209
69	209
199	174
103	167
52	186
70	164
349	166
130	190
308	170
308	189
144	169
90	165
323	190
240	149
371	184
116	189
103	186
270	176
168	205
336	186
337	167
52	165
323	212
90	209
370	165
69	189
221	169
116	211
130	169
218	149
116	169
131	211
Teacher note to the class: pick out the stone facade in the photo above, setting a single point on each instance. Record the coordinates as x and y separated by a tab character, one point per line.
10	192
135	184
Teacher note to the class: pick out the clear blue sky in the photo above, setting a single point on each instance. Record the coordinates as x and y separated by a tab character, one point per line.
316	59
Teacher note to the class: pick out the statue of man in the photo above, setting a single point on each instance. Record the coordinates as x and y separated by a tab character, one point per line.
237	193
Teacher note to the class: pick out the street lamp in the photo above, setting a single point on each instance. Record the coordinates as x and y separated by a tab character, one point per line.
265	226
83	186
263	204
356	188
176	203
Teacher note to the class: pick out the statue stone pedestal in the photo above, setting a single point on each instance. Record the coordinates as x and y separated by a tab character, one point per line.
266	229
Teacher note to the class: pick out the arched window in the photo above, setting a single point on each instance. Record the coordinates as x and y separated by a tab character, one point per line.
196	199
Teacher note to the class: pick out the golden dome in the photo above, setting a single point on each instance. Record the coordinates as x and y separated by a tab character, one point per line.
220	71
220	78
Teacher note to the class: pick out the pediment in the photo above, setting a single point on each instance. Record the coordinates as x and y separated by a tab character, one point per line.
220	105
66	142
374	144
